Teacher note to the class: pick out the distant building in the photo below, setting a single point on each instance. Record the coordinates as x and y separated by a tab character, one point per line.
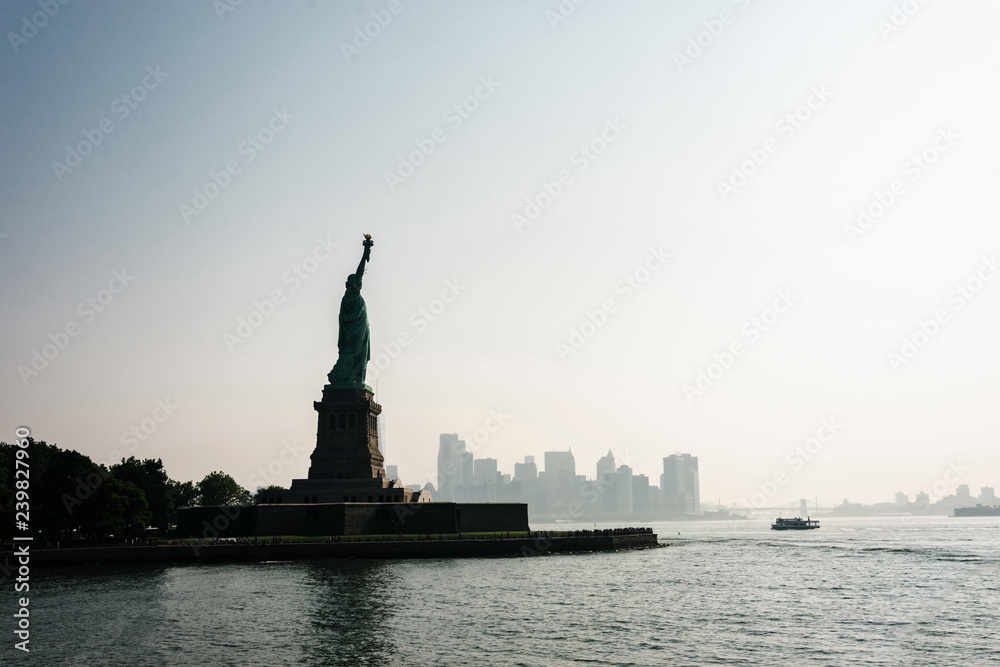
392	472
607	484
450	468
558	480
560	462
468	469
803	507
526	471
606	465
641	500
963	492
923	500
679	485
485	471
380	425
987	496
623	490
902	500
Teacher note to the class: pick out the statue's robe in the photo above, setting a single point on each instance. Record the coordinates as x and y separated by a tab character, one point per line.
354	340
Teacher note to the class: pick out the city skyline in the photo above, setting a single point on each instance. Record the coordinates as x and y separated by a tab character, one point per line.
560	490
685	477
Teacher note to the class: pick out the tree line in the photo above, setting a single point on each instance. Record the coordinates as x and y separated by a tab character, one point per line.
69	496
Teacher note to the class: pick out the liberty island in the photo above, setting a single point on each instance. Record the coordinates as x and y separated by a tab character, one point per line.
347	506
348	493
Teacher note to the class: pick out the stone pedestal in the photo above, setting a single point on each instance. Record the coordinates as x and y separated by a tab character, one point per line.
347	466
347	436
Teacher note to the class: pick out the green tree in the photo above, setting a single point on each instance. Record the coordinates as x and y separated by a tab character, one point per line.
183	494
62	486
218	488
268	490
119	509
149	476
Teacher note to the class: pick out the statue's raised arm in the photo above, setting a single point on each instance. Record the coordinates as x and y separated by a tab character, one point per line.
353	340
365	257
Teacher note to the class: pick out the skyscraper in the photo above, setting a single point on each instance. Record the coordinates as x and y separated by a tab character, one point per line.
485	471
526	471
623	490
679	484
560	463
559	476
605	465
463	490
607	484
641	504
451	452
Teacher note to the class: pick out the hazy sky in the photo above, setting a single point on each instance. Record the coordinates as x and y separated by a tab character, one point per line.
716	153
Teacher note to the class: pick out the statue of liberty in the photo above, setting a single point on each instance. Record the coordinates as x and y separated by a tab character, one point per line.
354	340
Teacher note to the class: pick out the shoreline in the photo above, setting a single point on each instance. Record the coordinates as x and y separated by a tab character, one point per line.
376	550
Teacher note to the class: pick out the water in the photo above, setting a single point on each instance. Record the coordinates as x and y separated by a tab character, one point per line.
884	591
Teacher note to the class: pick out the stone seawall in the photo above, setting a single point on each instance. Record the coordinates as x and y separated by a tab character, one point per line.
323	519
449	548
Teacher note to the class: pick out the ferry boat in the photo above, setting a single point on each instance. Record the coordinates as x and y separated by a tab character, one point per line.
798	523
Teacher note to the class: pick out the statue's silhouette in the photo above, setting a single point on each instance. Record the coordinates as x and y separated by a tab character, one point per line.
354	340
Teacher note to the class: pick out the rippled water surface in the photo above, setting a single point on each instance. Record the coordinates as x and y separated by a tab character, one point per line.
885	591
